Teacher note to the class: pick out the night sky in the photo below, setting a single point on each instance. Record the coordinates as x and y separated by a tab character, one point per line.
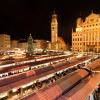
19	18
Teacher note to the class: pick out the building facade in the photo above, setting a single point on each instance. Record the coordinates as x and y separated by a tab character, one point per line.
14	44
23	45
86	37
4	42
61	44
37	44
41	44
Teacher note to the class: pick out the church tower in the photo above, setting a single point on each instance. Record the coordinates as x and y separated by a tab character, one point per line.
54	30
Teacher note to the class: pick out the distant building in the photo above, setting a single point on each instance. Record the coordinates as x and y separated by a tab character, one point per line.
37	44
41	44
61	44
86	37
14	44
22	44
4	42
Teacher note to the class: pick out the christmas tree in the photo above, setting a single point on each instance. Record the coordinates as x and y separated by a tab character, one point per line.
30	50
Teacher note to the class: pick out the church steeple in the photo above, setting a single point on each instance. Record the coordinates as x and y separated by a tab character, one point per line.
54	16
54	27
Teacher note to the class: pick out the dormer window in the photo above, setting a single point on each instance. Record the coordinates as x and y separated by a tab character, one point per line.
91	20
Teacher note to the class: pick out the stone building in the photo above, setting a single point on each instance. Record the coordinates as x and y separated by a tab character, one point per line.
4	42
23	45
86	37
61	44
41	44
14	44
37	44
